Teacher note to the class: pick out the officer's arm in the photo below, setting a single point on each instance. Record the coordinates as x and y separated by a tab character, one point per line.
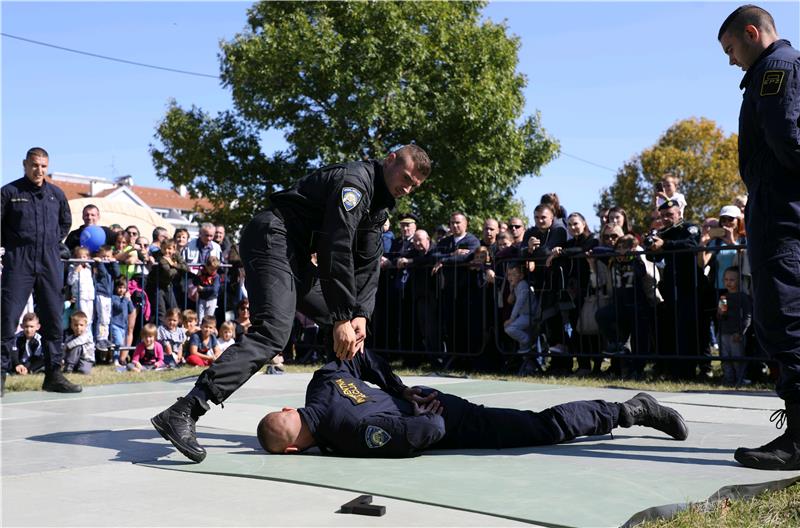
5	201
335	250
374	369
64	217
691	240
779	114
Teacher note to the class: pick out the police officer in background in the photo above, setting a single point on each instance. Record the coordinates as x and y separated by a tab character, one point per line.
338	213
35	218
769	162
677	318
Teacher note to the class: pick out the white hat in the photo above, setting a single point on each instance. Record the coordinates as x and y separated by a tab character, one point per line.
731	210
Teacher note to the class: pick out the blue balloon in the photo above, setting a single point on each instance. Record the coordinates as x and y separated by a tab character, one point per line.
93	237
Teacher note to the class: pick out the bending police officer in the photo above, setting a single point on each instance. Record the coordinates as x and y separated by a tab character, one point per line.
336	212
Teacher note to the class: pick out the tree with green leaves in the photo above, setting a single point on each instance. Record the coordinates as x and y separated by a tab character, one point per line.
353	80
695	150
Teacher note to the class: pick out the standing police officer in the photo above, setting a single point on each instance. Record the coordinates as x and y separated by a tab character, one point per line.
336	212
35	218
769	162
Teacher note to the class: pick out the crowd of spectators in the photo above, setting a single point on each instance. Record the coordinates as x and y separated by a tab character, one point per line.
551	297
555	297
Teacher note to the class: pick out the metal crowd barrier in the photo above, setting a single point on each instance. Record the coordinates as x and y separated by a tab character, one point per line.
455	312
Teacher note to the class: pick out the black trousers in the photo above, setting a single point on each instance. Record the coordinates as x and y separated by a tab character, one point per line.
472	426
45	279
280	279
776	315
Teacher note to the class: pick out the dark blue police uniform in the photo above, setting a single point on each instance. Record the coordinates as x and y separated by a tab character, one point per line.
346	416
336	212
769	162
34	221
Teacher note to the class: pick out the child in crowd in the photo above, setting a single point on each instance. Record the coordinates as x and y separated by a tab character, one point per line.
149	354
518	325
207	283
105	271
81	281
667	189
190	323
735	313
121	311
203	345
79	345
27	356
172	337
226	335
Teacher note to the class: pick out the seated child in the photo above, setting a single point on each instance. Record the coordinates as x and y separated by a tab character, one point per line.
191	327
172	337
149	353
79	345
203	345
226	332
27	356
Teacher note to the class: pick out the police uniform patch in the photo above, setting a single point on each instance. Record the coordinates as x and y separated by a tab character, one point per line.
693	230
376	437
349	389
772	82
350	198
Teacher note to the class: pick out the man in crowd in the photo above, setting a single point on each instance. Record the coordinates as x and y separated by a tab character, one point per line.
221	239
490	230
454	252
198	250
769	162
35	218
336	212
346	416
677	316
516	226
91	216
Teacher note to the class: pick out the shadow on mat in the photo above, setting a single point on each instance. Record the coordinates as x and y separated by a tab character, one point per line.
139	445
617	448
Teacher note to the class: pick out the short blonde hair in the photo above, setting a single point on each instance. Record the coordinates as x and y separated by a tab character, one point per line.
149	330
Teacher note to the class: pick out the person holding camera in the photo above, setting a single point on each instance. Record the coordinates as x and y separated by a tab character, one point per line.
677	317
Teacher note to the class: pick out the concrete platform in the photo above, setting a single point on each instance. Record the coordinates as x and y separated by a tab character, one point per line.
92	459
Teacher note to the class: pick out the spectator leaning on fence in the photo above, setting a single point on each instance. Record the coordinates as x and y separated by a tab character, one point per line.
199	249
91	216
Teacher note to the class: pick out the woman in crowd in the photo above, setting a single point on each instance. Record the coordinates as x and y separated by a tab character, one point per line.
242	321
571	257
618	216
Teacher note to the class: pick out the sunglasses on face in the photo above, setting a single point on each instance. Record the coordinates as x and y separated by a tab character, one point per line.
515	226
610	237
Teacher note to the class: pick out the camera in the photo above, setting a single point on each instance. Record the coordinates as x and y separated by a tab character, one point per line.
650	238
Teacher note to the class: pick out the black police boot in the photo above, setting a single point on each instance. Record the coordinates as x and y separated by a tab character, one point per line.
783	453
54	381
644	410
176	424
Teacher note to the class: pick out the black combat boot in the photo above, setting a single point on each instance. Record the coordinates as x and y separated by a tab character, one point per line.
783	453
54	381
176	424
644	410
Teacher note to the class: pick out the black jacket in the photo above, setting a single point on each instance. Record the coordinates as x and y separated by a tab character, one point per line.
338	213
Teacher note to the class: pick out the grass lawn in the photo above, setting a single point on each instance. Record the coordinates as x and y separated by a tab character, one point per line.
779	509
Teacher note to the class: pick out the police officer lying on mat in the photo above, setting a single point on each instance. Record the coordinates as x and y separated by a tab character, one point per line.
344	415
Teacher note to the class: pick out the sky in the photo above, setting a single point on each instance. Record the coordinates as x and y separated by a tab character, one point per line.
608	79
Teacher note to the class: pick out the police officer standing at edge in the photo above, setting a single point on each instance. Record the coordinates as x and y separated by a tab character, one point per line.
769	163
336	212
35	219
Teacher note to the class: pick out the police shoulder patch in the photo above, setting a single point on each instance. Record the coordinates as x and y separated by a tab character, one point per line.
351	198
376	437
693	230
772	82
